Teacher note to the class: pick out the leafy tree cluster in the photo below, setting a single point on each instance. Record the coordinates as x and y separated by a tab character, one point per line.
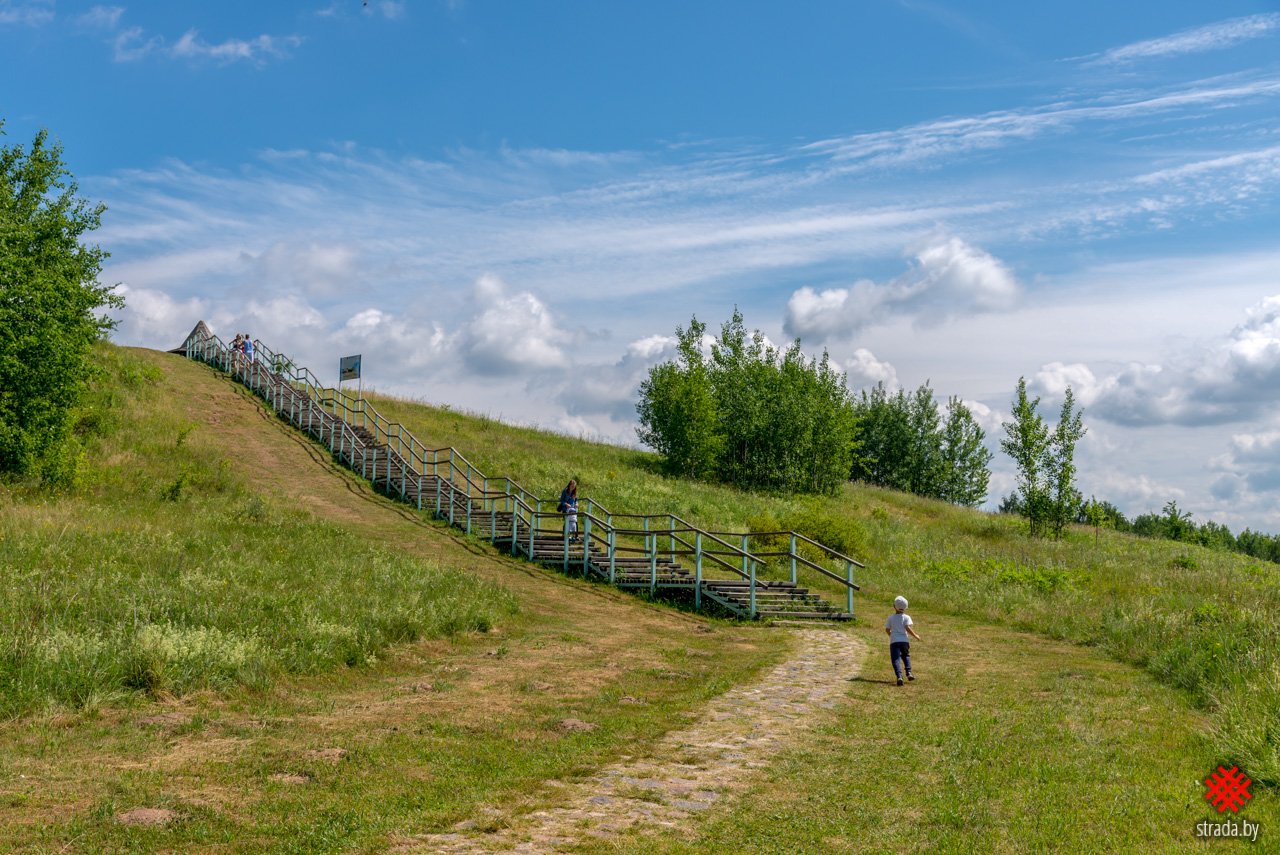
748	413
1046	493
1172	523
907	443
49	296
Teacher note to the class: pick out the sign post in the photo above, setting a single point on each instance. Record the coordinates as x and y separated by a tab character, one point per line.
349	369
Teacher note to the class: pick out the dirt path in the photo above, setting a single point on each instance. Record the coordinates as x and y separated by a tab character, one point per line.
690	770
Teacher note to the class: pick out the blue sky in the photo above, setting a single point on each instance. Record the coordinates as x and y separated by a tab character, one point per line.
509	207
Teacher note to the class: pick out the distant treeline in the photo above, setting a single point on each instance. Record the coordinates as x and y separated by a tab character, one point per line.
1172	523
750	414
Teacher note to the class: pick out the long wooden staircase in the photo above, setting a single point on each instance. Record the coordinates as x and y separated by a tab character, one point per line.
750	575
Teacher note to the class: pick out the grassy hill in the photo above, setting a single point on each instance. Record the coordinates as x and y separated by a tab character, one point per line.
1205	622
221	622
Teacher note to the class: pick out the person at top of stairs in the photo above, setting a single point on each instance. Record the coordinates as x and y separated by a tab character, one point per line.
569	507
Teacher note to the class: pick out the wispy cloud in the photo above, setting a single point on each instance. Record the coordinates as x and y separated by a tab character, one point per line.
932	143
256	50
1222	34
101	18
31	14
133	43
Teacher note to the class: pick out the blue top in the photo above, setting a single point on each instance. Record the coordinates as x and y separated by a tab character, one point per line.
569	501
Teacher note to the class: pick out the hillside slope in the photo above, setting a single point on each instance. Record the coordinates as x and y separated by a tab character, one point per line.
1206	622
193	483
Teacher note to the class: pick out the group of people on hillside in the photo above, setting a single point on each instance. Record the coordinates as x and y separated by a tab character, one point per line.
242	347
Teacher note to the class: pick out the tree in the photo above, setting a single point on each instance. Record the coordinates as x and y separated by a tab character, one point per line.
1176	524
750	415
49	299
965	457
1027	442
1047	490
1094	513
677	409
908	444
1065	499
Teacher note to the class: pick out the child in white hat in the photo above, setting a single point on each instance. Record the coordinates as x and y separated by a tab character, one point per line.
899	629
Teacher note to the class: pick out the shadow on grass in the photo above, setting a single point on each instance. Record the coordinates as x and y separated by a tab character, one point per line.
862	679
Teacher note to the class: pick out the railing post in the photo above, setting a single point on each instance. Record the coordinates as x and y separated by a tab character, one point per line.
613	552
651	544
697	571
671	538
848	575
753	590
535	523
744	555
564	539
586	543
515	527
793	558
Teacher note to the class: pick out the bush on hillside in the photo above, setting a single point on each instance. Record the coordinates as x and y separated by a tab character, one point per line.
748	413
49	296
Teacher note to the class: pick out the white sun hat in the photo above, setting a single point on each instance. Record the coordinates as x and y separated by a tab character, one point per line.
900	602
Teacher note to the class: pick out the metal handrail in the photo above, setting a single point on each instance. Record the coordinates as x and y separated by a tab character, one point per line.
457	480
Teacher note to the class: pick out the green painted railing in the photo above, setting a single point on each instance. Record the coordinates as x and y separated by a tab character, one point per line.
444	482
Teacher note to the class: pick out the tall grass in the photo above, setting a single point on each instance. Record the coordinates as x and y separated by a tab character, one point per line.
164	571
1206	622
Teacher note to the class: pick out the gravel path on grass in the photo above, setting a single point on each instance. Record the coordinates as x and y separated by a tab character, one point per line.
689	771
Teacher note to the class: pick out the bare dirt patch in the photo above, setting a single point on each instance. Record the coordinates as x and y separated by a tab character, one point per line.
147	816
577	725
328	755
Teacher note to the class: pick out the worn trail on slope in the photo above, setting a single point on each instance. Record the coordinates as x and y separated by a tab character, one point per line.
690	770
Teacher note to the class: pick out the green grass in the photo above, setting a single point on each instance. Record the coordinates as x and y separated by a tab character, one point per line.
185	577
1202	621
1006	743
169	572
166	572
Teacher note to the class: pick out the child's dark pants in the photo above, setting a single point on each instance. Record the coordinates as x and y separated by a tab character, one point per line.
900	650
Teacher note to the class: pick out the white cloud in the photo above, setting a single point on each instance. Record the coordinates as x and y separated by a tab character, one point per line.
101	17
31	14
864	369
313	267
152	315
1232	380
511	333
990	420
130	44
931	143
256	50
1214	36
1140	493
1250	466
950	278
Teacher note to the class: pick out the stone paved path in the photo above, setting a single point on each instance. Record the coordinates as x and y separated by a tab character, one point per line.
691	769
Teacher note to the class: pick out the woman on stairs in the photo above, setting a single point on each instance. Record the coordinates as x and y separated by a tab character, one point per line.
569	507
